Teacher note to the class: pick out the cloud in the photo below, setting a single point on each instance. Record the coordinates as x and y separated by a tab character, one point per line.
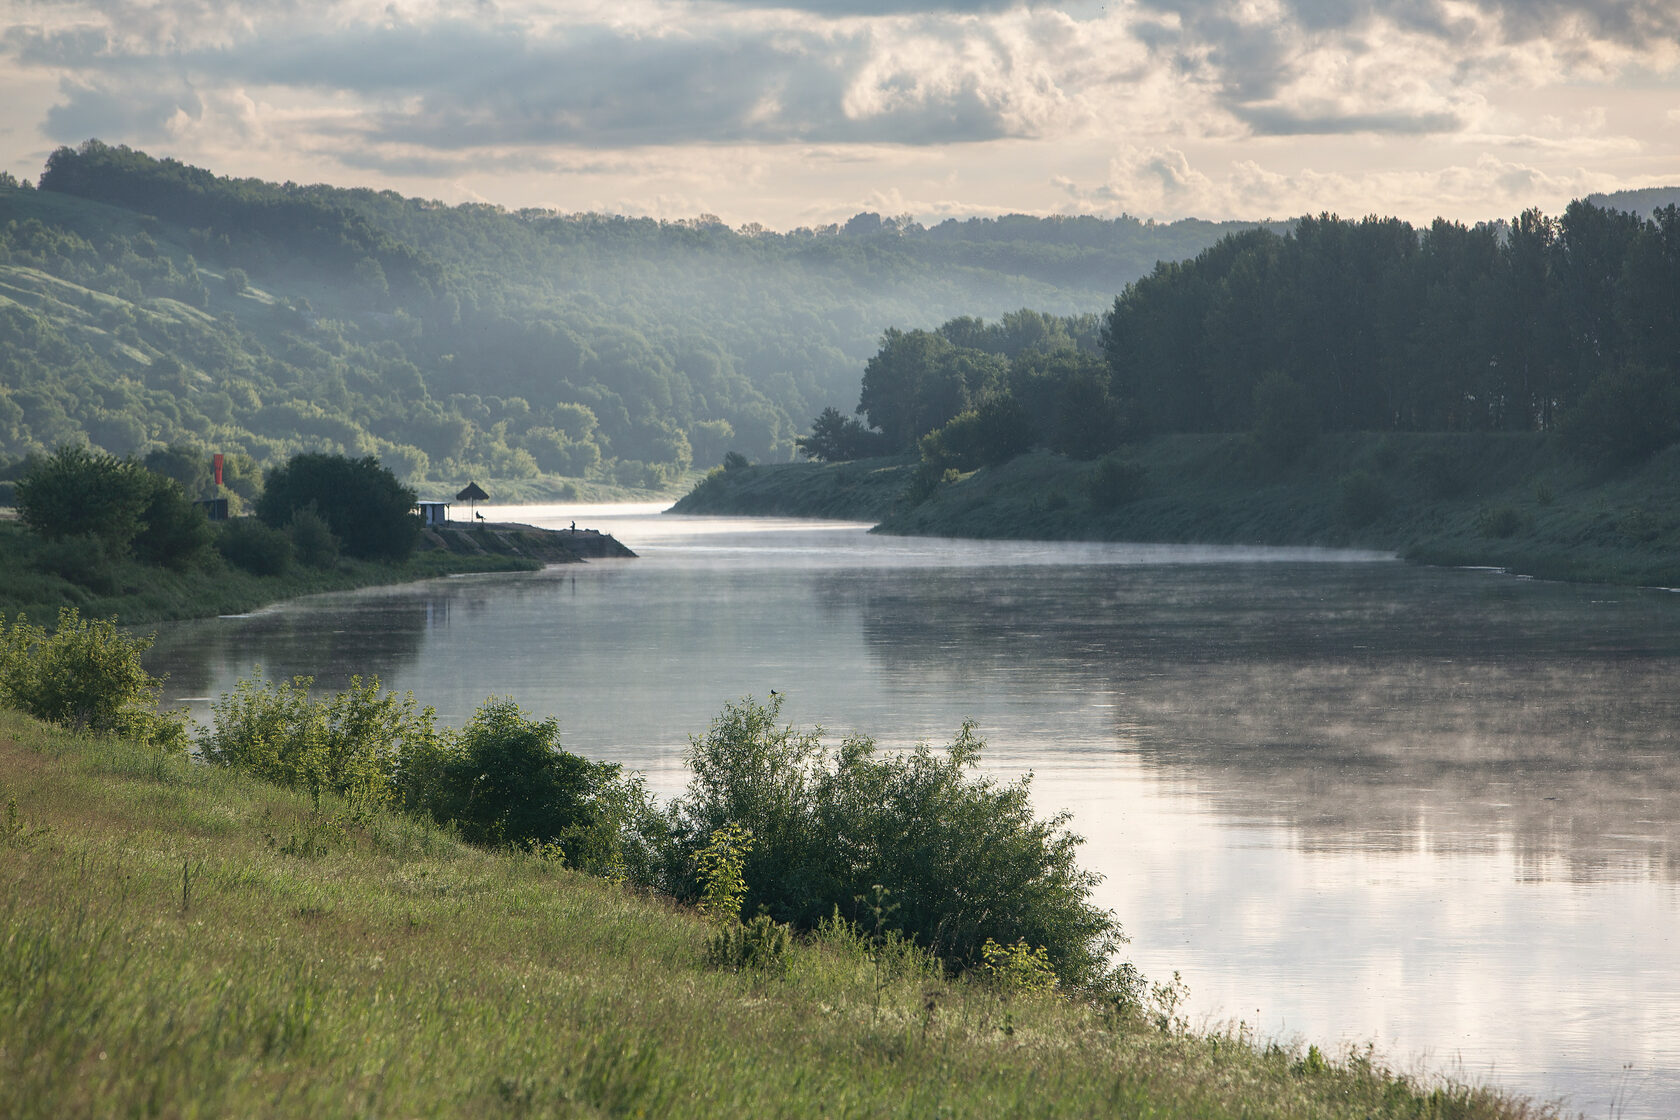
1163	184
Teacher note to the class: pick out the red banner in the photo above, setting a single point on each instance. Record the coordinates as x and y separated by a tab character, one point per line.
218	461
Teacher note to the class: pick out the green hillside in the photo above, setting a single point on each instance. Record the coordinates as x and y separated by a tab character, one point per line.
145	303
188	940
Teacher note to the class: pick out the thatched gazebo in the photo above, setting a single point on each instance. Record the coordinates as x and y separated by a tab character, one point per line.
472	493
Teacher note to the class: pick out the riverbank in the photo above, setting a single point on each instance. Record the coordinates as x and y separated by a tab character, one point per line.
140	593
1514	501
312	960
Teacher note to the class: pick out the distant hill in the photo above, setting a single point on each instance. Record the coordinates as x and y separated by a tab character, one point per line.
1643	202
144	302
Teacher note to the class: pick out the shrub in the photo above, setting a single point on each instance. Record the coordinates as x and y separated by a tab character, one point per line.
247	543
313	543
961	857
734	461
368	510
1625	416
1500	521
350	745
508	782
1361	498
762	945
1443	474
987	436
80	560
86	675
1113	482
1017	968
174	532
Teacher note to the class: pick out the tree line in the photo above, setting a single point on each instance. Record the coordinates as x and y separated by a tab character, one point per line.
1538	324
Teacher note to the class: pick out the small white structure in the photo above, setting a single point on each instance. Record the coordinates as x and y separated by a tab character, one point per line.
432	513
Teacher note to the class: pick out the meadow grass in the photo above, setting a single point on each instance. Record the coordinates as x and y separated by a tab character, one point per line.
181	940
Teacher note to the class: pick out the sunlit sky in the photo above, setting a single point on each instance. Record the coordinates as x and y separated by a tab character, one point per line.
791	114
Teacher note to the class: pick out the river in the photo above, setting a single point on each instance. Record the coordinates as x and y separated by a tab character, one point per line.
1350	801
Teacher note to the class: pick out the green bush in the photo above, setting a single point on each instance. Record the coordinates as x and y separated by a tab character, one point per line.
961	858
762	945
1625	416
1500	521
987	436
174	532
351	744
76	492
86	675
313	543
506	781
247	543
81	560
368	510
1361	498
1113	482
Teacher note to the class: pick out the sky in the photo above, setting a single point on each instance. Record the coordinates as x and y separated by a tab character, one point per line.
792	113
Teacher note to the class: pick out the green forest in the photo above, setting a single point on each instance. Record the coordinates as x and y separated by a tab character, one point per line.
146	304
1541	324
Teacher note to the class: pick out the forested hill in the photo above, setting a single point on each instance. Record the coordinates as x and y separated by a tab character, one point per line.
146	303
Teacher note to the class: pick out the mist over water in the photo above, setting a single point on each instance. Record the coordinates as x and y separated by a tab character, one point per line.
1347	799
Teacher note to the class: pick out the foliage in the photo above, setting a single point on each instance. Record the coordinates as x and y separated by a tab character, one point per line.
1114	481
1380	326
506	781
86	675
1017	968
963	858
722	886
174	532
1500	520
1283	417
734	461
1625	416
349	745
79	492
760	945
986	436
247	543
368	510
312	538
837	438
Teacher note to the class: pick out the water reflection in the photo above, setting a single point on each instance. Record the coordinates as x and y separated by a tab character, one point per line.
1357	707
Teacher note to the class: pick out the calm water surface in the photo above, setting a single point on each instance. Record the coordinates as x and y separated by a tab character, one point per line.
1348	800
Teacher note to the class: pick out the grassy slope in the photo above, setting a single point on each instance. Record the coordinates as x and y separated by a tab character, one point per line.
1448	499
861	491
185	941
139	593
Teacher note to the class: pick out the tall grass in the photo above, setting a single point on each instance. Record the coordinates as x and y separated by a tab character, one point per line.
186	940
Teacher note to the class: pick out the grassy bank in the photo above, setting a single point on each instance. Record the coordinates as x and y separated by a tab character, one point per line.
1511	501
862	491
182	940
32	583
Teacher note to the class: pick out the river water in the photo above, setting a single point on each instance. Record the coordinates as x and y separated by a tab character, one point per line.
1350	801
